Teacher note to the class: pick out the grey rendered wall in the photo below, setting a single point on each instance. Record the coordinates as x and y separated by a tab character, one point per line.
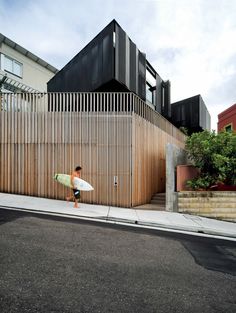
174	156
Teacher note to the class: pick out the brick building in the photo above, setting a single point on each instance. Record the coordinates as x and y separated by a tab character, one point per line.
227	119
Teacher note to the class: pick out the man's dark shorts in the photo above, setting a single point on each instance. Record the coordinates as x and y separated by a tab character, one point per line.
76	194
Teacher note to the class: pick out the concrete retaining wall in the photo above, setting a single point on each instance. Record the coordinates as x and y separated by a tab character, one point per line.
174	156
215	204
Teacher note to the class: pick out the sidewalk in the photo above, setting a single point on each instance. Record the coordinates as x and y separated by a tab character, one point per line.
160	220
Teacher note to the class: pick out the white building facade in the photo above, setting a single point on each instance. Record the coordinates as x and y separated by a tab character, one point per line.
21	70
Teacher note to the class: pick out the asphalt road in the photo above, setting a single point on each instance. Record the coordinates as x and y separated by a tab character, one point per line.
62	265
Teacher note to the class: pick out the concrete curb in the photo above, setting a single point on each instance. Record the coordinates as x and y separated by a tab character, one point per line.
193	231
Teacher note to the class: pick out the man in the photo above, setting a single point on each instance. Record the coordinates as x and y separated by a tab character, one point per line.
76	192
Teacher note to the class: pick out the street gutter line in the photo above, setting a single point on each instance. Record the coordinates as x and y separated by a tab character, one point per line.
114	221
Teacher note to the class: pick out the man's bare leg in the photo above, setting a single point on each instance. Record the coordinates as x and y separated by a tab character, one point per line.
76	204
69	198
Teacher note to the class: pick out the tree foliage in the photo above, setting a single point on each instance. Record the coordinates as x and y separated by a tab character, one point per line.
215	156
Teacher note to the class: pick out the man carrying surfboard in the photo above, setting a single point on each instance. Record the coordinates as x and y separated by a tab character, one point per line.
76	192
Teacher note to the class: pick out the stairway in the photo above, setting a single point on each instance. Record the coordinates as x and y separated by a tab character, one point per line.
158	203
159	199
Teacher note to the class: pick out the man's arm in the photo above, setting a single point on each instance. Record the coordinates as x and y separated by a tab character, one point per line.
72	176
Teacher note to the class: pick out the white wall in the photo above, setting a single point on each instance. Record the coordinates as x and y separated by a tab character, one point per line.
34	75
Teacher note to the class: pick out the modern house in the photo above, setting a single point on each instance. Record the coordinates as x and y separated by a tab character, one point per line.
227	119
190	113
111	62
21	70
103	111
121	146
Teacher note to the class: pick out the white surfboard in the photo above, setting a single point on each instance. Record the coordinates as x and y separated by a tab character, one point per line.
79	183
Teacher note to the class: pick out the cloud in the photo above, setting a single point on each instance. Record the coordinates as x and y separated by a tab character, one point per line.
189	42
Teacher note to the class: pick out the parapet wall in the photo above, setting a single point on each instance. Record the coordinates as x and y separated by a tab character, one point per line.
215	204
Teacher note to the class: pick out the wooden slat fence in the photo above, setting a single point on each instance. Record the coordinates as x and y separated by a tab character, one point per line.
109	134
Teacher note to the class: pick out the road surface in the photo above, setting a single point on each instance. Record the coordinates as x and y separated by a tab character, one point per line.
61	265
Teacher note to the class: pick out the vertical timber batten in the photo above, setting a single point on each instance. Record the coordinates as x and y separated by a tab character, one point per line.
108	134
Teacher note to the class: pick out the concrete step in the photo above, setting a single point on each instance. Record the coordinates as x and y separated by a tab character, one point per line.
157	197
160	202
160	195
150	206
158	206
160	199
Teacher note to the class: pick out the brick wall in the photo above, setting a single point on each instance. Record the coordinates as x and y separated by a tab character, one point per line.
227	117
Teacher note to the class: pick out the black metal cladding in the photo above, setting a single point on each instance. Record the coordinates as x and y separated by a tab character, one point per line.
166	109
142	75
121	65
92	67
159	97
110	62
130	63
133	63
191	113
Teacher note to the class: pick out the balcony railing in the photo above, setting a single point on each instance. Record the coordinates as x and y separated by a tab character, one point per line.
107	103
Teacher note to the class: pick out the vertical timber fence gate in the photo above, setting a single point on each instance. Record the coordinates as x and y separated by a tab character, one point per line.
117	139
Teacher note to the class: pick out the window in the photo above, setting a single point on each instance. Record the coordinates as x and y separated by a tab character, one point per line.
150	78
228	128
12	66
150	86
149	93
114	39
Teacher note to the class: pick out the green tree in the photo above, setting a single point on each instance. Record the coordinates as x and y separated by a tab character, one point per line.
215	156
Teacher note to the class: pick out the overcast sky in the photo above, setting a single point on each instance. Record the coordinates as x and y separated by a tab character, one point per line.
190	42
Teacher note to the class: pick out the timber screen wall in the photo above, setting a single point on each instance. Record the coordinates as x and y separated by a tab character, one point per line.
113	136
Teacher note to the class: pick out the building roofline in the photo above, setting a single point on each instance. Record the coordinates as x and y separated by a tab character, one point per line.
85	47
185	99
27	53
196	96
114	22
227	110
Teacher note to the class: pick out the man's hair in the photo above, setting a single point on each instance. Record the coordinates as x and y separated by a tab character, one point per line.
78	168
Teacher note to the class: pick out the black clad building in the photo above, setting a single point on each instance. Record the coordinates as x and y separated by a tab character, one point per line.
191	113
111	62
